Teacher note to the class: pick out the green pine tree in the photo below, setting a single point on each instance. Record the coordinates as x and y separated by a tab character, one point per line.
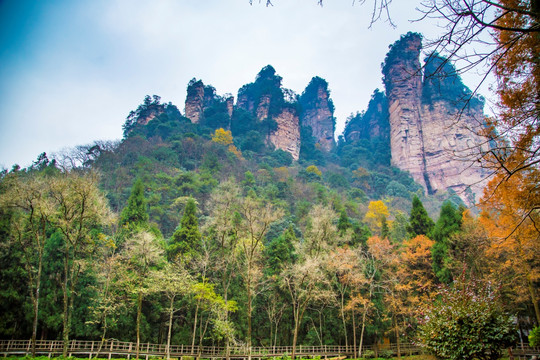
343	222
385	230
185	241
280	251
419	221
135	214
449	223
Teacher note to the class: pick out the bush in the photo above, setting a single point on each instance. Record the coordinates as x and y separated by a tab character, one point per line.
466	322
534	337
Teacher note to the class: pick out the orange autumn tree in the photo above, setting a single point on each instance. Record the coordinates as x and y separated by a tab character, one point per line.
517	67
386	261
514	230
416	279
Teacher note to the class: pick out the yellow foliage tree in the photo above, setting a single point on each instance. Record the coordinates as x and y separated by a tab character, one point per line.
222	136
377	210
314	170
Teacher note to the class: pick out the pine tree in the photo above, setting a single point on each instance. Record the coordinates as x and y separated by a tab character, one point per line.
280	252
385	230
419	221
449	223
135	215
186	239
343	222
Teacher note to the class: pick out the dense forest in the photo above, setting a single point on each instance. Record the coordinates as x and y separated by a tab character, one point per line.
194	234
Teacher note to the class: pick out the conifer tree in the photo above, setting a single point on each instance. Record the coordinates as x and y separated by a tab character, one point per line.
343	222
280	252
135	215
449	222
385	230
419	221
186	239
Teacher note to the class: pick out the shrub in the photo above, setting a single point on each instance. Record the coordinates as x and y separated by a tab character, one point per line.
466	322
534	337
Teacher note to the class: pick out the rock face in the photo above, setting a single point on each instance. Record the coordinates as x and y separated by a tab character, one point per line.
202	97
287	135
265	100
194	101
431	125
150	114
318	112
374	123
150	108
230	105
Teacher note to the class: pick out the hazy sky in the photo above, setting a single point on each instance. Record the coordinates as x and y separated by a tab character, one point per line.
71	71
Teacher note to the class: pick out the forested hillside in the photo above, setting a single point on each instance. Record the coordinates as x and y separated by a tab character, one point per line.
206	232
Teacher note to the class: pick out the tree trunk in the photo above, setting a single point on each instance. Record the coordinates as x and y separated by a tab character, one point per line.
532	293
65	322
343	318
36	306
249	295
195	327
298	316
171	311
397	336
295	337
356	353
139	313
362	331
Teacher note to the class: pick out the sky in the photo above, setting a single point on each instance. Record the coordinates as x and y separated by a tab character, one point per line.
71	71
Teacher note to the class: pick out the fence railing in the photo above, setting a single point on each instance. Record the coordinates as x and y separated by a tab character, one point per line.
114	348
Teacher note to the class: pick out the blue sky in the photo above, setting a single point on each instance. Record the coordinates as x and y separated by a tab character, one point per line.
71	71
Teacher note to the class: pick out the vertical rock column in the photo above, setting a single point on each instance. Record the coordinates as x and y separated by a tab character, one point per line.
452	122
194	101
318	112
403	82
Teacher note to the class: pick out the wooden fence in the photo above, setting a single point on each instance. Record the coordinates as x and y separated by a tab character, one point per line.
114	348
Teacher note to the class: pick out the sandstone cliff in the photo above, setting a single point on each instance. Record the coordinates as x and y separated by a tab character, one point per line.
265	100
287	135
194	101
431	121
373	123
318	112
202	103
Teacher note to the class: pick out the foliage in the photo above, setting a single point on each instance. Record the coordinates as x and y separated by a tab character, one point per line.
534	337
135	214
419	221
514	232
376	214
467	322
310	95
449	222
185	242
223	137
312	169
